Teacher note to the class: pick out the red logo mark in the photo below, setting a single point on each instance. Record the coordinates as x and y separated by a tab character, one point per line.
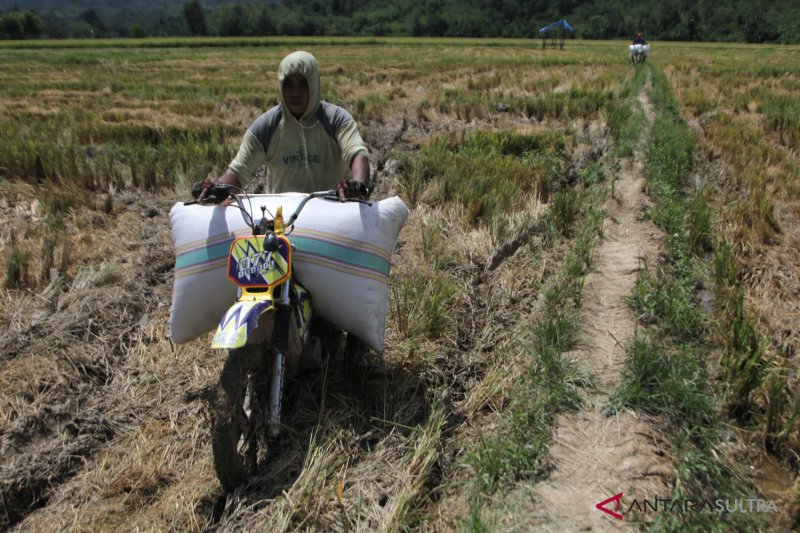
615	498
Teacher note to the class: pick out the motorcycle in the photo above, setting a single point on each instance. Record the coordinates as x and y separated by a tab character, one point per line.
267	332
639	53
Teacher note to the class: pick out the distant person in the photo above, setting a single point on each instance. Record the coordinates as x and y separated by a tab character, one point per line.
308	144
639	49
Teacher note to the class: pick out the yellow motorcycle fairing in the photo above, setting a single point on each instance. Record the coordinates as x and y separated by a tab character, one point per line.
239	322
303	310
258	272
251	266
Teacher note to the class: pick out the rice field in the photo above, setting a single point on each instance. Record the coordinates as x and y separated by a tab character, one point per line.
504	153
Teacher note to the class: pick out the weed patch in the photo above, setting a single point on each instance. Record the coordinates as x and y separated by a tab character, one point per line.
488	173
421	304
549	383
660	298
669	382
625	116
668	378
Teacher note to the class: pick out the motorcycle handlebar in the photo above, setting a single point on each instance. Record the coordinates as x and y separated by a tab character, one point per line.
215	195
330	194
221	192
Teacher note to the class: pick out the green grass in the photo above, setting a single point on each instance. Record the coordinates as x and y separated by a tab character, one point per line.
16	269
782	115
699	475
700	223
662	298
565	209
592	174
744	362
421	304
744	358
489	174
549	383
669	378
670	151
578	102
548	386
625	116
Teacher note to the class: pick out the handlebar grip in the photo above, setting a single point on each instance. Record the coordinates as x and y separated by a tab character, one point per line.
217	195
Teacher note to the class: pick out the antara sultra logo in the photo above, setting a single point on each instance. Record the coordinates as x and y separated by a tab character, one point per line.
614	507
617	499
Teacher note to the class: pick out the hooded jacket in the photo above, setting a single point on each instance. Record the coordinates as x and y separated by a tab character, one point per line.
305	155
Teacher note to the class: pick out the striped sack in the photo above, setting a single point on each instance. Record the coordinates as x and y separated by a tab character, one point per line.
342	256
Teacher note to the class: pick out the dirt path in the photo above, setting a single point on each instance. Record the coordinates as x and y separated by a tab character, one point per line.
596	456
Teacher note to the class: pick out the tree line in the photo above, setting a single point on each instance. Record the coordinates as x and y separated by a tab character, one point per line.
757	21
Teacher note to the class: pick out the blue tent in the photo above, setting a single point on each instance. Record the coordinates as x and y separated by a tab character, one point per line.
561	24
554	31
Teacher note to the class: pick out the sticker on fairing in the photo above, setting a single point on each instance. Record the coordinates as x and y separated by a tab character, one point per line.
237	324
250	265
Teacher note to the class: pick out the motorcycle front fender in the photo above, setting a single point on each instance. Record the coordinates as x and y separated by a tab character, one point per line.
239	322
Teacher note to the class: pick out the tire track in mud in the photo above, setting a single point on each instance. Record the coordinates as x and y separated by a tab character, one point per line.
596	456
64	384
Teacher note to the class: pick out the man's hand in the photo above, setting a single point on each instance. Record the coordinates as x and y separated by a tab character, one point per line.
352	189
209	192
200	189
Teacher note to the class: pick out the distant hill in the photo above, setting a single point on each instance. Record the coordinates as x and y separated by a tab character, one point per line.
775	21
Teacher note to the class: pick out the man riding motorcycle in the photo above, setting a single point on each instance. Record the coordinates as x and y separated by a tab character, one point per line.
308	144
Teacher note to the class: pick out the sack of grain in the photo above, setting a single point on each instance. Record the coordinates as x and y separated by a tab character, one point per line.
342	256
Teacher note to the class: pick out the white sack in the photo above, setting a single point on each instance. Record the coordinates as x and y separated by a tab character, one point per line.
645	49
342	256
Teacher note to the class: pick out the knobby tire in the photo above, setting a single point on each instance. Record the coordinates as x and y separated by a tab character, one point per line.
234	439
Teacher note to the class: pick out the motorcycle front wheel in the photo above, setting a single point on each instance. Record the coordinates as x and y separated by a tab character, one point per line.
237	415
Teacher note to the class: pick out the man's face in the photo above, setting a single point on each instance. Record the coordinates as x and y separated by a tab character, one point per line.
296	94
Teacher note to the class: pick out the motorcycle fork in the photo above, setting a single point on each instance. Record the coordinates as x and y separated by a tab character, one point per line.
281	342
250	410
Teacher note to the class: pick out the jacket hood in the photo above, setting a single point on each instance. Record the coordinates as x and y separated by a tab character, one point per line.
300	63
